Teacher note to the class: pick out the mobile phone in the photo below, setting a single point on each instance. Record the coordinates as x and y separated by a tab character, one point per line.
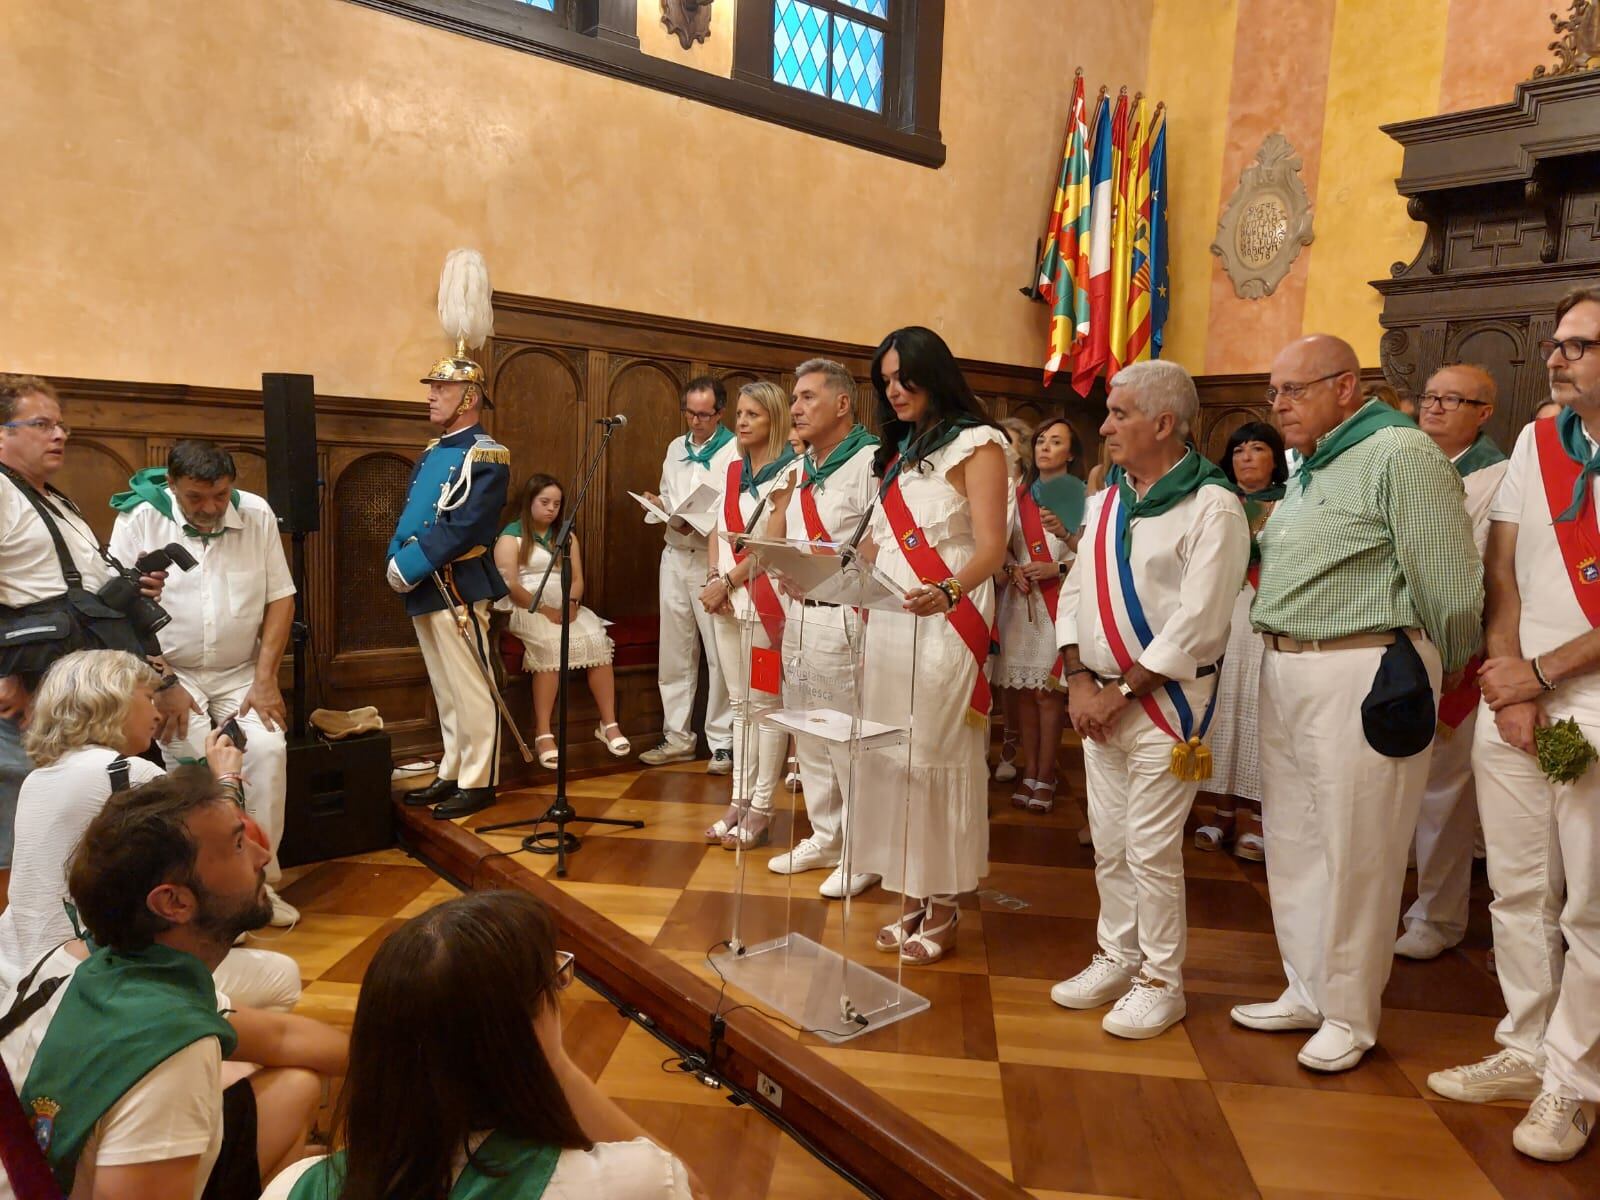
230	730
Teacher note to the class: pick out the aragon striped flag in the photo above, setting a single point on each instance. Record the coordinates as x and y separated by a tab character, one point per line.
1094	254
1125	159
1059	282
1139	266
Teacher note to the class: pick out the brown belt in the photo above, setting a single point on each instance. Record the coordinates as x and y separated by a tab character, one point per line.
1355	641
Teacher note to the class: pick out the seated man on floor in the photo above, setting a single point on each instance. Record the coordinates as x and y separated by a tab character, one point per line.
116	1052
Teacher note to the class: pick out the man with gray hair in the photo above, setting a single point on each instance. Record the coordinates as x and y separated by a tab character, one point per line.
1143	621
1371	592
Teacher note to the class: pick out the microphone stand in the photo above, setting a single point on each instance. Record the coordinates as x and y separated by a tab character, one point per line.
558	841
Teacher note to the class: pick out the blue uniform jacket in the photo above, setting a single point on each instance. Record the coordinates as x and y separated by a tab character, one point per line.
427	539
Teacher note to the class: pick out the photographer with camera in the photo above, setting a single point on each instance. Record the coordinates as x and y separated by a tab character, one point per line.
59	591
230	620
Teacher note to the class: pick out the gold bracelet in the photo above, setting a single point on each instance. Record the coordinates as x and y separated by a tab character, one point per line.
954	585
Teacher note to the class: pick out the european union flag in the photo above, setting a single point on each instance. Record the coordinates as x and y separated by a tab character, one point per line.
1160	283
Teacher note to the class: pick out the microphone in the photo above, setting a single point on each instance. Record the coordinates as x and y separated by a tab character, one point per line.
615	422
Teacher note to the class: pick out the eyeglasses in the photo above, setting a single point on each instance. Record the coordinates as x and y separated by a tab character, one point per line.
1448	401
566	969
43	424
1572	349
1293	391
699	416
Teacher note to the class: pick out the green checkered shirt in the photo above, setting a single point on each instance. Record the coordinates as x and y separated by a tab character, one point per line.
1379	540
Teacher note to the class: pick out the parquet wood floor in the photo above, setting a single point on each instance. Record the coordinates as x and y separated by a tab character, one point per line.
1041	1094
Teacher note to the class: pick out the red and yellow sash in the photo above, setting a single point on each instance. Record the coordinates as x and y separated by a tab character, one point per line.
1039	551
1578	539
964	618
762	593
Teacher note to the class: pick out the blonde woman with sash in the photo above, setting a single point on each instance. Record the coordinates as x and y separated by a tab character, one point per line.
939	531
739	597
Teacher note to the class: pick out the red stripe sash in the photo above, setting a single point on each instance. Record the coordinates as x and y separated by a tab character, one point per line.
965	618
762	593
1456	705
1578	539
1108	617
1039	551
816	532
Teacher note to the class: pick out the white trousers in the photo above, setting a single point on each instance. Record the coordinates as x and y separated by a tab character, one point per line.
219	694
1338	818
820	672
685	627
1447	827
468	719
1137	808
1543	841
758	754
253	978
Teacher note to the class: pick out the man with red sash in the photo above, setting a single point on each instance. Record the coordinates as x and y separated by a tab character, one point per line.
1455	406
824	503
1143	621
1543	838
1371	595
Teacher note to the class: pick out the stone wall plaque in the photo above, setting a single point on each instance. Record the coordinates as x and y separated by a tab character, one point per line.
1265	222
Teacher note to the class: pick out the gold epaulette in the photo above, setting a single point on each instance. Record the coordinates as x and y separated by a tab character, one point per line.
491	452
430	445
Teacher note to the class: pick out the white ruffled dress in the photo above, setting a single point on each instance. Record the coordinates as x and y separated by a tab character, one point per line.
588	644
1028	648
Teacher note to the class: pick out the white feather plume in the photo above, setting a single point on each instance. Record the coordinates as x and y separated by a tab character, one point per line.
466	307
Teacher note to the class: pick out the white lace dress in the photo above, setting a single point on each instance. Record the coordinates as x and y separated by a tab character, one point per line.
920	671
541	637
1027	634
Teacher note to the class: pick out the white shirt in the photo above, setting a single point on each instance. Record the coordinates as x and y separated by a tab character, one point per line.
1481	487
679	478
743	604
1188	566
1551	615
841	498
29	568
54	807
217	608
636	1170
173	1112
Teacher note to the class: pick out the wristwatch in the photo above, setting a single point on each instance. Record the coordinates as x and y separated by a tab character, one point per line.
1126	688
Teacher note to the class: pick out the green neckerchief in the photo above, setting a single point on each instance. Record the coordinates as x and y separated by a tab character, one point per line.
842	453
1482	453
715	442
1273	491
749	480
124	1014
149	486
1191	473
1366	421
515	530
915	447
1570	426
502	1168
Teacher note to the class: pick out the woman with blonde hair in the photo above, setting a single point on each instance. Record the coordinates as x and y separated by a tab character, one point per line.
93	715
741	597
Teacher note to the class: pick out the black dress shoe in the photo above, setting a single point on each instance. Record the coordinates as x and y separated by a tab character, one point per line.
439	789
464	803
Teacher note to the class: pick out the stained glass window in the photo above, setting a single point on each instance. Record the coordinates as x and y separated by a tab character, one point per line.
547	5
819	50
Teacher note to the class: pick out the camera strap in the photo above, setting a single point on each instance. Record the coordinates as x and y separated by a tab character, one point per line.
69	569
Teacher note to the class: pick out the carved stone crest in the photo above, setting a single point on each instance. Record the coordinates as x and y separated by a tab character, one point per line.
689	19
1266	221
1577	44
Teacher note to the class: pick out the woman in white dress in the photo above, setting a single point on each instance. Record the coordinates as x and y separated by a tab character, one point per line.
749	616
1028	653
523	552
1255	464
1019	460
939	531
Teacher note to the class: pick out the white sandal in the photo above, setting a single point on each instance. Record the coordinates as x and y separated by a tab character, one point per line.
895	934
922	940
619	745
551	758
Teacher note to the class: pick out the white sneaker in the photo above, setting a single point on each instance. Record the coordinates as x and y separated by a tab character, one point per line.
1503	1076
1005	772
667	752
1101	982
1330	1050
1555	1128
833	887
1422	941
284	914
721	763
1146	1010
1274	1016
806	856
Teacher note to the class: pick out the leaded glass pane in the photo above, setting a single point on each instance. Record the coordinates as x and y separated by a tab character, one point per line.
800	46
857	64
547	5
873	8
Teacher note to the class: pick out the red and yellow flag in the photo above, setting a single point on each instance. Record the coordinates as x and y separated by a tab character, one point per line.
1139	263
1124	156
1060	281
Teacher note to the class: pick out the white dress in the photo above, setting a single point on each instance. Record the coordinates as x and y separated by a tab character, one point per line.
1028	648
1235	737
588	645
944	848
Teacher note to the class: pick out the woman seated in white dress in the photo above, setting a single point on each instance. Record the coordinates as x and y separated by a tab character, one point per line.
1026	665
523	552
938	531
459	1082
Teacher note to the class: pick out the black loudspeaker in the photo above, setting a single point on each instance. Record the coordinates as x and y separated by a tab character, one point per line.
338	799
290	407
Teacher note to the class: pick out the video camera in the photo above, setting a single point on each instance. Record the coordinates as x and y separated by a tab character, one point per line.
122	593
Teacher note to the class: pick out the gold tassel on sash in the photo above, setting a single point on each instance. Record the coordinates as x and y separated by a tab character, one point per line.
1191	760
